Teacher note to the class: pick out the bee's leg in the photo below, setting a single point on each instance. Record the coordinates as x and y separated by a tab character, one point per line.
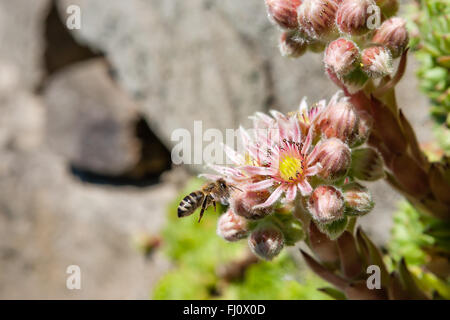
214	203
204	206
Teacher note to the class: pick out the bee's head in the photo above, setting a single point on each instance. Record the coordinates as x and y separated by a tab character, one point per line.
222	184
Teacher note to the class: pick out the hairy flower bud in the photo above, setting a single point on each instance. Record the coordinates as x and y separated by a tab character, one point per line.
364	128
283	12
232	227
358	200
339	120
393	35
316	17
334	156
266	241
292	45
352	16
243	204
376	61
341	56
367	164
326	204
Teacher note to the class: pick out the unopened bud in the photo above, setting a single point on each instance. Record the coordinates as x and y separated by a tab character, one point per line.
376	61
358	200
283	12
339	120
388	7
367	164
292	45
326	204
393	35
243	204
266	241
352	16
232	227
316	17
341	56
334	157
364	128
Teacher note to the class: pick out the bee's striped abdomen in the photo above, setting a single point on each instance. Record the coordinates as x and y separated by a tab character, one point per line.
190	203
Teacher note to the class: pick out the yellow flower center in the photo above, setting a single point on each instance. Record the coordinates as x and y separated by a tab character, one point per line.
290	168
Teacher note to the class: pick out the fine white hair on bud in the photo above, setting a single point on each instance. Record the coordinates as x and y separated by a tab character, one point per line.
358	199
393	35
292	45
364	128
334	157
266	241
326	204
339	120
377	61
316	17
283	12
341	56
232	227
352	16
367	164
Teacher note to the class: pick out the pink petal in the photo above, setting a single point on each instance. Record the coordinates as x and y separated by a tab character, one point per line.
308	140
209	176
277	114
262	171
272	199
305	188
291	193
313	155
235	157
315	169
261	185
303	106
245	137
224	170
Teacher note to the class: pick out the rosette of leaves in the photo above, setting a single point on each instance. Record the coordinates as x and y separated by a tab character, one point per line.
430	31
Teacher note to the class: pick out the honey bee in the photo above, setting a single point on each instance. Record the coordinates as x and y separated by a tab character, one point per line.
218	190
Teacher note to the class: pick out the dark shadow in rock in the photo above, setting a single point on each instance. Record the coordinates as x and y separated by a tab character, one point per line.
61	49
154	160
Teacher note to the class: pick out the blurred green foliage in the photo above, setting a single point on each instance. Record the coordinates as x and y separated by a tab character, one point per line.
197	253
429	27
408	236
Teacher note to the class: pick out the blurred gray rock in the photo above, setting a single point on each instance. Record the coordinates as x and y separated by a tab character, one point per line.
214	61
90	121
21	36
49	220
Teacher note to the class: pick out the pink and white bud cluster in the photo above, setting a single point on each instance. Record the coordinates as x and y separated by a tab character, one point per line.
305	161
356	46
